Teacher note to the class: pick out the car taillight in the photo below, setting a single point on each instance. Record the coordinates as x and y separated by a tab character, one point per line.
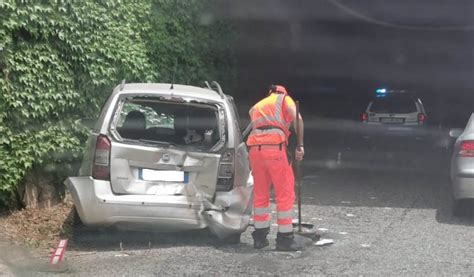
225	174
421	118
364	117
467	148
101	166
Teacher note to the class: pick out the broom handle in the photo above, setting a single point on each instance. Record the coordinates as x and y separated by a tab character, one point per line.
298	165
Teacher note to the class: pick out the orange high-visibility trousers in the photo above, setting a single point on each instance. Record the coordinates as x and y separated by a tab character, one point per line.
270	167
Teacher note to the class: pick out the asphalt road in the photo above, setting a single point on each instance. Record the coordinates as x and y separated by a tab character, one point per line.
386	204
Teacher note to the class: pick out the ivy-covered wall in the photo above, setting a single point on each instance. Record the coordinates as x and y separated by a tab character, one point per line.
187	34
59	60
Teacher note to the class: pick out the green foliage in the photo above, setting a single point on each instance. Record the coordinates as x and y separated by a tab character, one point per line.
189	37
60	59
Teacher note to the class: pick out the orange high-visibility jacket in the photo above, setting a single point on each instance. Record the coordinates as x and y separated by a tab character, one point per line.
270	120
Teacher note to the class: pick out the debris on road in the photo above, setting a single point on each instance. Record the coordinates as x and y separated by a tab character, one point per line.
296	254
342	233
350	215
324	242
365	245
288	255
122	252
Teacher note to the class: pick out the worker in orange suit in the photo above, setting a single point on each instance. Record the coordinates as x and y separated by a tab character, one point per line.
271	119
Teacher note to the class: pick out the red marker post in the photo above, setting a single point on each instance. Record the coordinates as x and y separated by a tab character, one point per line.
58	254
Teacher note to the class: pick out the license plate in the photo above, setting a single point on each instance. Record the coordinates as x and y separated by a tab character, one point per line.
391	120
163	175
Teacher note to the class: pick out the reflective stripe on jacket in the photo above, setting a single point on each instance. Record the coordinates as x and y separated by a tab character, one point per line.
268	122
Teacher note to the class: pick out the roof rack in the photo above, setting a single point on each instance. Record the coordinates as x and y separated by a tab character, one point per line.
122	85
215	87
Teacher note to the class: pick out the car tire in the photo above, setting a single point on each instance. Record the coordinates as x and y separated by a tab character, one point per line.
76	220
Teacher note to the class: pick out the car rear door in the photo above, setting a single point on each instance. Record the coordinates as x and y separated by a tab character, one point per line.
156	159
146	169
396	110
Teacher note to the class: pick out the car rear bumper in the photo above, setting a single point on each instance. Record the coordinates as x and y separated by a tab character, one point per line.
462	177
376	130
463	186
378	127
97	205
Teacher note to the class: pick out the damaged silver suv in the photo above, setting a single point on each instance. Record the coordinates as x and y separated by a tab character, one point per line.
166	158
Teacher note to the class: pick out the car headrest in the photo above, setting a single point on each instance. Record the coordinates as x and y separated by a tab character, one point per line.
135	120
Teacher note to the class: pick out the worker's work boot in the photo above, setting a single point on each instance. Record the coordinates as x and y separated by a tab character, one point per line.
286	242
260	238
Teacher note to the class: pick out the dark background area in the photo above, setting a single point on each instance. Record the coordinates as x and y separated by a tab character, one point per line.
333	55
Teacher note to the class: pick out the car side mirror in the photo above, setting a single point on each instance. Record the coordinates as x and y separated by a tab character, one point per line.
88	122
455	133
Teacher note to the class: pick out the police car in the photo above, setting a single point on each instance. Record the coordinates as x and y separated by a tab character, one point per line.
395	111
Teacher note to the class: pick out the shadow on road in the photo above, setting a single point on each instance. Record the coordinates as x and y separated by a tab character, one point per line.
444	215
113	239
344	168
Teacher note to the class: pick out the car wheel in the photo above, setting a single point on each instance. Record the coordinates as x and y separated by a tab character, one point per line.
75	219
232	239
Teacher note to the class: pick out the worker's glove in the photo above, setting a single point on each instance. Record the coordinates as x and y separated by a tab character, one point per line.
299	153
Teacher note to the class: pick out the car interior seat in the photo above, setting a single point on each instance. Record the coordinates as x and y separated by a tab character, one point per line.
204	122
134	126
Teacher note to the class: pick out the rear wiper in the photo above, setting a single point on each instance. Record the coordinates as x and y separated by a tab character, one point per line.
157	142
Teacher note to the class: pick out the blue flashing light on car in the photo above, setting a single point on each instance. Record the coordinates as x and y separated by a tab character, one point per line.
381	92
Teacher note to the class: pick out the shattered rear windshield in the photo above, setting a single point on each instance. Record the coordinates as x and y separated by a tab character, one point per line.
152	120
